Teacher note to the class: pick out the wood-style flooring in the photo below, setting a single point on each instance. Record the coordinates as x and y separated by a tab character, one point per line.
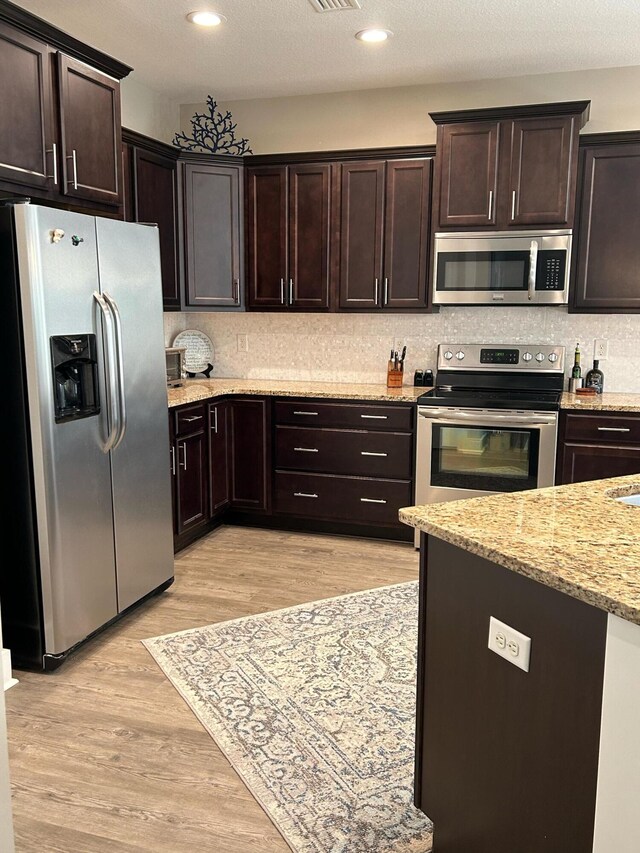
105	756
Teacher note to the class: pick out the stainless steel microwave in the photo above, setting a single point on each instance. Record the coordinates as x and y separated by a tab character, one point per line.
502	268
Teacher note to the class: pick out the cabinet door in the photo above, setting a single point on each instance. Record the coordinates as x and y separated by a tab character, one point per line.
27	140
543	165
90	132
468	173
309	206
581	462
155	200
191	476
219	484
213	235
267	236
361	233
250	453
406	238
607	250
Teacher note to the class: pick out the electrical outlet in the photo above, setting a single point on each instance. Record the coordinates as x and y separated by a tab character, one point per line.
601	349
243	343
509	643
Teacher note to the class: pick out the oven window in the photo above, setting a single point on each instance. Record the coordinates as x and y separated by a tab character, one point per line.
484	459
469	271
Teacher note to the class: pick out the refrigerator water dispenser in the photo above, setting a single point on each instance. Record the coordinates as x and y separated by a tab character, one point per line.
75	377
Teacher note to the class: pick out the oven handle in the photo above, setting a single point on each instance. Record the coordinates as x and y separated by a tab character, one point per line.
481	418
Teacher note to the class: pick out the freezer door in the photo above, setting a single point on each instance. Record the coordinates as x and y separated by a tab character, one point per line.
129	262
58	272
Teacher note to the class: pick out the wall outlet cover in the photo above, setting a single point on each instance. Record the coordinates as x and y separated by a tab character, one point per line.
510	644
243	343
601	349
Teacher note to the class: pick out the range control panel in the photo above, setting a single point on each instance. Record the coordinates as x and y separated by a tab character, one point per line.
523	357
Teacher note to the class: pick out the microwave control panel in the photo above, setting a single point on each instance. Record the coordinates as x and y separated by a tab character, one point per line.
551	269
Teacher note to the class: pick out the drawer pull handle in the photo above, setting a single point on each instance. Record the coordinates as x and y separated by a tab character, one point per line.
303	495
194	418
371	453
614	429
375	417
372	501
306	449
312	414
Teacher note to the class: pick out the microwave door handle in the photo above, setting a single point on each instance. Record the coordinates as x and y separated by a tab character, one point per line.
122	409
533	267
110	371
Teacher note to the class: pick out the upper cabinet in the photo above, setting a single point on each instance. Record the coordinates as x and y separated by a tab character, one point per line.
90	133
384	228
606	250
60	136
151	195
288	216
513	167
213	234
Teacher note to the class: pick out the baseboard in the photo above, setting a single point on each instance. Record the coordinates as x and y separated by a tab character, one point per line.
5	669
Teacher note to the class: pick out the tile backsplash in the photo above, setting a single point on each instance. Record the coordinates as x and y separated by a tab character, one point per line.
355	347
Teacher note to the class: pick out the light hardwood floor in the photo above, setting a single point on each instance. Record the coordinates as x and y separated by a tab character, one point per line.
105	755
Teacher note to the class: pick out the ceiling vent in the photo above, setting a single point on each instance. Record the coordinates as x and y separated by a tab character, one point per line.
334	5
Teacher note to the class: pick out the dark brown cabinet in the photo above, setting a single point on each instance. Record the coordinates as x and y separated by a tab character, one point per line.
219	457
288	215
28	150
151	196
250	443
90	132
189	468
606	256
594	446
213	236
384	234
513	167
468	173
60	136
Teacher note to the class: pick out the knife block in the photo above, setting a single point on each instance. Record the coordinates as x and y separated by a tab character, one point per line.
394	376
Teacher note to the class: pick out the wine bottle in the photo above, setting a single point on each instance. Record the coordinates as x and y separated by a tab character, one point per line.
576	370
595	377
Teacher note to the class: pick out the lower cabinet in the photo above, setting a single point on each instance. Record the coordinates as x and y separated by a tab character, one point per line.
594	446
189	467
351	471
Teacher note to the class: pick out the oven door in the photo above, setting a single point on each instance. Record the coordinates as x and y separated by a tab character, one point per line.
464	453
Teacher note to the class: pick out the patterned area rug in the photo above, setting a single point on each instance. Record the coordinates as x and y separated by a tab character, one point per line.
314	708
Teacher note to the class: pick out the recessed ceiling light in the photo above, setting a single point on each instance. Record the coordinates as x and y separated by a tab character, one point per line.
373	35
206	19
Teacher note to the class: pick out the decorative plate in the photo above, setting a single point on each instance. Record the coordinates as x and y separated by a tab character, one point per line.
198	350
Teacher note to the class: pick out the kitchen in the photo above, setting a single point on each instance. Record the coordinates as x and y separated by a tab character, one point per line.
263	354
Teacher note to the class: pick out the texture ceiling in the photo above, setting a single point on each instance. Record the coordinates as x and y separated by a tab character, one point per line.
268	48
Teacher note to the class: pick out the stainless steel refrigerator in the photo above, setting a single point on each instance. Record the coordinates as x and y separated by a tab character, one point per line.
87	524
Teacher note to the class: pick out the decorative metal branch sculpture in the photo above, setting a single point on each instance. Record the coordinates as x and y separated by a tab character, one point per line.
213	132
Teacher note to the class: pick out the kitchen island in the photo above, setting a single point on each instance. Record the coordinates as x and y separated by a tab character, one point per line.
515	756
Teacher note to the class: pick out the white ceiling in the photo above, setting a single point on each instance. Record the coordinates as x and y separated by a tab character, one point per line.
283	47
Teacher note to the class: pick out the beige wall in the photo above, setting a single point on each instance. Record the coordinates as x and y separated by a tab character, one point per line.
399	116
148	111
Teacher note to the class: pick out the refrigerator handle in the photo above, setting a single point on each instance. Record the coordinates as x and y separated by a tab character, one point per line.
122	406
110	364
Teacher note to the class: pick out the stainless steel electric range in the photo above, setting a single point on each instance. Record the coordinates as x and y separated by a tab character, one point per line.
490	424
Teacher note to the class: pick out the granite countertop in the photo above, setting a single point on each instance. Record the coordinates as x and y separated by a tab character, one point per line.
606	402
202	389
576	539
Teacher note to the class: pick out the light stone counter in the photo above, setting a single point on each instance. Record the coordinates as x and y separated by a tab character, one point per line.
606	402
194	390
576	539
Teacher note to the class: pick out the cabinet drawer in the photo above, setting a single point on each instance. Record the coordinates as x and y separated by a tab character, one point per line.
354	415
190	419
334	451
350	499
619	429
